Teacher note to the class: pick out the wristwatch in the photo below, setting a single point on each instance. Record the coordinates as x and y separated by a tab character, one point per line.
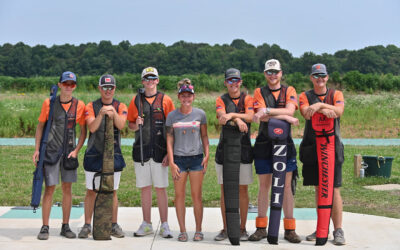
267	111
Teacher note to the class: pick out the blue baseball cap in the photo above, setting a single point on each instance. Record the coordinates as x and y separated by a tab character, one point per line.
67	76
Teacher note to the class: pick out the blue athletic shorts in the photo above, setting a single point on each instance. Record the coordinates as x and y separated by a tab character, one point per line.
189	163
265	166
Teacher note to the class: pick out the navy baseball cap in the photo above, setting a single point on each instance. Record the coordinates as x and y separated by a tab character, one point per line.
67	76
107	80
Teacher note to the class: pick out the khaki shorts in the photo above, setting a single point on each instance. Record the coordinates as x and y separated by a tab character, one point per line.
152	173
245	174
52	173
89	180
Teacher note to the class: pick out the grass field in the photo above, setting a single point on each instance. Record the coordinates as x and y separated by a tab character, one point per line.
365	116
16	179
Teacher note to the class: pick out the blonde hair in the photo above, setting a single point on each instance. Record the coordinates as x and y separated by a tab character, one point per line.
184	81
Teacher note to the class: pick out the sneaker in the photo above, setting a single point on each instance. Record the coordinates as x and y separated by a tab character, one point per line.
291	236
144	229
312	237
116	231
44	233
244	235
85	231
338	237
66	232
164	230
258	235
221	236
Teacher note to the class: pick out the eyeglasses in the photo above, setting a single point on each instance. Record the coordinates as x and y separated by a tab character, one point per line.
107	87
71	85
233	80
319	76
272	72
150	78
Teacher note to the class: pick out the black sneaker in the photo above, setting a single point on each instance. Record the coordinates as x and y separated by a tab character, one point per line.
44	233
66	232
85	231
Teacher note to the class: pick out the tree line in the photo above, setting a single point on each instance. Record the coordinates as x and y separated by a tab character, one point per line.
21	60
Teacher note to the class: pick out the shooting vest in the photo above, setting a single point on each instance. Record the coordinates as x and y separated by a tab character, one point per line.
308	152
246	149
62	132
153	130
263	144
93	159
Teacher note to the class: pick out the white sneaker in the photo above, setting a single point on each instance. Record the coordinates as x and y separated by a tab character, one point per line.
164	230
144	229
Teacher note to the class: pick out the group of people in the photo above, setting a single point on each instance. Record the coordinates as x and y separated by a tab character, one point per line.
177	137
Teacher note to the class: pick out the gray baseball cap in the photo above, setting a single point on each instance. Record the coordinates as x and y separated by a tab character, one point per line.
318	68
232	73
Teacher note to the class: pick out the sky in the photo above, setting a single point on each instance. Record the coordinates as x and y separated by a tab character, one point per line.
297	26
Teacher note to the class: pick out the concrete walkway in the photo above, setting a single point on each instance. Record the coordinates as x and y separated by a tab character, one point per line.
361	231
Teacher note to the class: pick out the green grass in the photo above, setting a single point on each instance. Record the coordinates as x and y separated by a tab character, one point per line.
16	179
365	116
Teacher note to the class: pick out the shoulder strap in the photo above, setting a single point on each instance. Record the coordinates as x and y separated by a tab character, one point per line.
228	101
241	103
268	96
311	97
116	104
97	106
329	96
71	114
282	97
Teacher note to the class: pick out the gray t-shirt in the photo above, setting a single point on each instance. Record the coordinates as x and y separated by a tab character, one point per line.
187	137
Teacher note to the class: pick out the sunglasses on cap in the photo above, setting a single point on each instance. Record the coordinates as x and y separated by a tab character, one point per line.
150	78
233	80
71	85
316	76
272	72
107	87
186	88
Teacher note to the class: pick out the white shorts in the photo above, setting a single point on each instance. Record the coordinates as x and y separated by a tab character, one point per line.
152	173
245	175
89	180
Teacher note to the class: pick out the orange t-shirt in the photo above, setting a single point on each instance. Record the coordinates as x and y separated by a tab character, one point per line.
259	102
80	118
338	99
248	104
89	111
168	106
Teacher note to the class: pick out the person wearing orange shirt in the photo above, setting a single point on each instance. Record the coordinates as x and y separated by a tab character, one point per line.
95	113
329	102
238	107
155	107
57	160
280	102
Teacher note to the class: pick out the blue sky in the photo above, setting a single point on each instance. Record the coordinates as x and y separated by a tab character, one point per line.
298	26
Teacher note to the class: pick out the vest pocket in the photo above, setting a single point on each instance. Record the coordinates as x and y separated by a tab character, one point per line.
247	154
51	156
308	154
136	152
70	163
119	162
93	160
339	152
219	154
262	147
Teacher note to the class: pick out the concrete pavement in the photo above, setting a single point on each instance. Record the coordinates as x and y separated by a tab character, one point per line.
19	231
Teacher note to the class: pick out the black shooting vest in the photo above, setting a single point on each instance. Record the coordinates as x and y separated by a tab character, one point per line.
308	150
246	149
263	144
61	140
153	130
93	159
